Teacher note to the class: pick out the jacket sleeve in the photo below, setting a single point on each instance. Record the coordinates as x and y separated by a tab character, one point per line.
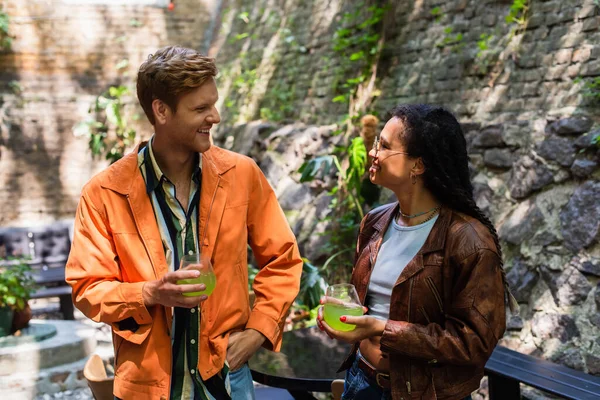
475	320
277	283
93	272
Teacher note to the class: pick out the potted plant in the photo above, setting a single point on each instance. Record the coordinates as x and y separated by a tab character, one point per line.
16	285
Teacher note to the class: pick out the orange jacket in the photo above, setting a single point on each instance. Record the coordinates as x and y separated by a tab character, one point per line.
117	247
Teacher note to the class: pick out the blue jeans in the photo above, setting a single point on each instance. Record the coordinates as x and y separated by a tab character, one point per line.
240	380
242	387
358	387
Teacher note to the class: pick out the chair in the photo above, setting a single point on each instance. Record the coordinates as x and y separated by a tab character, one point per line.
99	382
337	388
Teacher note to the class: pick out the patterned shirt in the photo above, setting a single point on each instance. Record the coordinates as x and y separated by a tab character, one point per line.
179	234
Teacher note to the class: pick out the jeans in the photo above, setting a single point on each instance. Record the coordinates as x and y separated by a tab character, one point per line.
358	387
240	380
242	387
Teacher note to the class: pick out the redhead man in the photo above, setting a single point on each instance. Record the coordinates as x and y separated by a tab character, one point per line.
174	195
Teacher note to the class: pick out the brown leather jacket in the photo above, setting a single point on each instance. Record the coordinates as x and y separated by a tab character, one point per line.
447	307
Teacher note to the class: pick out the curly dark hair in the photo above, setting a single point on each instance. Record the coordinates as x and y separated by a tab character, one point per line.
433	134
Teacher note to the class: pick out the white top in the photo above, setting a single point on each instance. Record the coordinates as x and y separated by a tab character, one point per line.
400	245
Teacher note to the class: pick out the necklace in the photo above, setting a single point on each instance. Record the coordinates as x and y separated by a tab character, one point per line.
436	208
433	214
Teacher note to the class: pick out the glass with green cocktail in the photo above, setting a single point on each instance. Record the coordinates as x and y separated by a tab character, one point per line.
341	299
207	275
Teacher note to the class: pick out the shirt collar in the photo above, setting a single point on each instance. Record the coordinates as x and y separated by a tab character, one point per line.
154	175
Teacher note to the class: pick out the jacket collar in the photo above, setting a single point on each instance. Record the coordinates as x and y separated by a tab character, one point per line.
121	175
436	239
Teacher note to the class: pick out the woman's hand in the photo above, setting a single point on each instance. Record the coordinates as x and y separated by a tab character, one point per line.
366	327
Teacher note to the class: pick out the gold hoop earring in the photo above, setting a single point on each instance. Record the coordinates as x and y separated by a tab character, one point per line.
413	178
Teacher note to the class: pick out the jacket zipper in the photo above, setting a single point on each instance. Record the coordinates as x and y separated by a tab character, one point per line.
436	294
422	309
410	290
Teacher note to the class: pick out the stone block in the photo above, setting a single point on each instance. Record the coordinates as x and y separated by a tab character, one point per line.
522	223
586	11
583	168
582	54
528	176
580	218
591	68
570	126
559	326
558	149
563	56
591	24
498	158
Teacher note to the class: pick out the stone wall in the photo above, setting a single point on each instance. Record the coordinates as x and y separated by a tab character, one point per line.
270	54
528	123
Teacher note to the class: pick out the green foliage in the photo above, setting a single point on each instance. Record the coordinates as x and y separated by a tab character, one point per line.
252	271
487	54
108	130
346	210
15	87
591	88
135	23
16	284
312	286
455	42
5	39
356	42
436	12
518	12
277	104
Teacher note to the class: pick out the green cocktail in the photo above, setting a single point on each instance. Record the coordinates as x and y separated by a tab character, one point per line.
208	279
333	312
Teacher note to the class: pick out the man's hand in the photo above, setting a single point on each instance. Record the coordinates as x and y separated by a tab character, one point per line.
242	345
168	293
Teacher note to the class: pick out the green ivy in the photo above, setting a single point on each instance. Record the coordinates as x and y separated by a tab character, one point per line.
108	130
356	43
454	41
591	88
436	12
518	12
5	39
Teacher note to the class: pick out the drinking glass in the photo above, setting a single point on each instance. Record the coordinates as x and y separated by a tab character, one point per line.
207	275
341	299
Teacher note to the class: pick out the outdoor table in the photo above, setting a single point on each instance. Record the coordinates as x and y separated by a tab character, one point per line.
308	362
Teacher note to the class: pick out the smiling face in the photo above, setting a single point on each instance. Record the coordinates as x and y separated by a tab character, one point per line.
188	128
391	165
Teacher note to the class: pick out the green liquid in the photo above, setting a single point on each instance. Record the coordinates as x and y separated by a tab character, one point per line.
208	279
333	312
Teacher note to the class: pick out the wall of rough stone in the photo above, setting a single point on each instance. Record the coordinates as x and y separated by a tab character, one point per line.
528	124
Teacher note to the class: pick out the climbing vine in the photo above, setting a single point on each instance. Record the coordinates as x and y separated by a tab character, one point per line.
5	39
108	129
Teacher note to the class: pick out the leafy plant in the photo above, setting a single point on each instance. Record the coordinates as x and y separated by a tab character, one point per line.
591	88
16	284
518	12
437	13
109	130
346	210
455	42
312	285
358	44
5	39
